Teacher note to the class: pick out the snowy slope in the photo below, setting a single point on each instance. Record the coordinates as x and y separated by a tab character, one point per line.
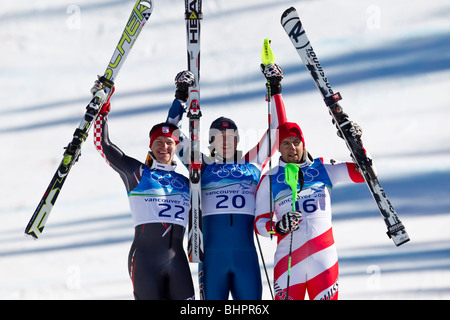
390	60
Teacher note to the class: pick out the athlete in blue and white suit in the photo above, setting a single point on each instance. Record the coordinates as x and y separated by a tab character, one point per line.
229	181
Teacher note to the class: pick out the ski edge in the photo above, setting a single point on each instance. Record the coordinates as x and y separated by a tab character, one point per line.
139	16
193	16
396	230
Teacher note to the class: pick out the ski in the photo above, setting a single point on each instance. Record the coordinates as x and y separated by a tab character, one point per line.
193	16
294	29
139	15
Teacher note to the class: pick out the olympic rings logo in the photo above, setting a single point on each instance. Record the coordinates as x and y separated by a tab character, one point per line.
230	169
167	180
308	176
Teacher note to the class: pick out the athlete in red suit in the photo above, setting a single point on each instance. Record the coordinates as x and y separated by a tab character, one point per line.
314	266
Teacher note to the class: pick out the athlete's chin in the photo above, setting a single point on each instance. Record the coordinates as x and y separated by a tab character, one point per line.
293	158
165	159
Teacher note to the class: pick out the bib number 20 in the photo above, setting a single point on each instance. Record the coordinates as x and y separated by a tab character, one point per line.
236	201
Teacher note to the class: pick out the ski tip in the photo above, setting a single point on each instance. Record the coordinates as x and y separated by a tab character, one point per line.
400	239
286	13
31	235
146	3
267	55
400	243
399	236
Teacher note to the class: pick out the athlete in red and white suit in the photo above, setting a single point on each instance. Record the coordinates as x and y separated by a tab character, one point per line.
314	266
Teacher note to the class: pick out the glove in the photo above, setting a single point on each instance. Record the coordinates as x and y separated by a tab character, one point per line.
355	130
106	108
99	85
183	81
288	223
274	75
272	71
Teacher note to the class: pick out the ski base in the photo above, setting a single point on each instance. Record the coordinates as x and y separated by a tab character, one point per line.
294	29
139	15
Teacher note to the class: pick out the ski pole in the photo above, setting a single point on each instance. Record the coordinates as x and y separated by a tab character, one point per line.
291	173
267	56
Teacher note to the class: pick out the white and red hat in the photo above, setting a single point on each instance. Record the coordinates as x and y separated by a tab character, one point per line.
164	129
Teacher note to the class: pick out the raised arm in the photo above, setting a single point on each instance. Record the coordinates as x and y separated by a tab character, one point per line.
183	81
128	168
260	153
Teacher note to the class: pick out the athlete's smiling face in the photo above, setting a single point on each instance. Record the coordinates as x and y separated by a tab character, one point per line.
291	150
163	149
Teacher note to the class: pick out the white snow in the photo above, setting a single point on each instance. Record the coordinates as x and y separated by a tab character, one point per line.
389	59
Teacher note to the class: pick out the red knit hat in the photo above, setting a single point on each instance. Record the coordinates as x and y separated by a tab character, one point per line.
164	129
289	129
